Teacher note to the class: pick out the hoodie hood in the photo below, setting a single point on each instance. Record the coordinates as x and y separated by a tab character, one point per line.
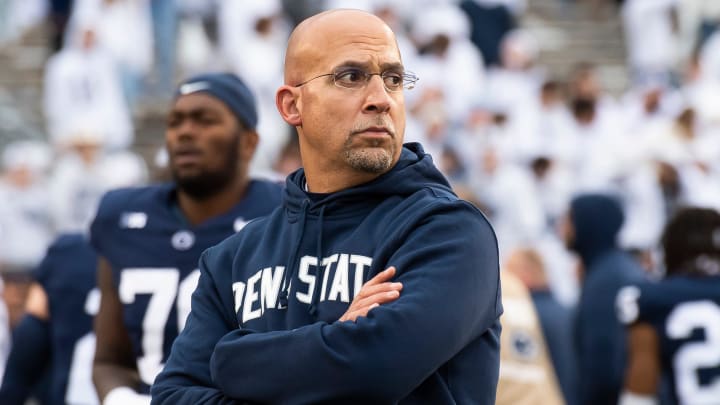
414	170
597	220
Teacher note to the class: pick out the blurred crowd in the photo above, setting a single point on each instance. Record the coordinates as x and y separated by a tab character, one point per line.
516	141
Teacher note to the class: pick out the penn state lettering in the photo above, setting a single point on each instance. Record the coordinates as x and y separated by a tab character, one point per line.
342	279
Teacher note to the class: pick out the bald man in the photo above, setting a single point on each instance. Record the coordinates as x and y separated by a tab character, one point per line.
374	283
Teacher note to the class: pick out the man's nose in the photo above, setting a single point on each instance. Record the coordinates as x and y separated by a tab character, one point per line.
377	97
186	128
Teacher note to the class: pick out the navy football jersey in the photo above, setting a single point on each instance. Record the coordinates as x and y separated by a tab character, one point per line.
153	252
685	313
67	273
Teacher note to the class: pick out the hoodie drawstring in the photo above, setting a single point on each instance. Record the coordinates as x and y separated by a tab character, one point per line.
293	259
321	269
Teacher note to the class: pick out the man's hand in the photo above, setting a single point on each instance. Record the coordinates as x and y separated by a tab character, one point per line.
379	290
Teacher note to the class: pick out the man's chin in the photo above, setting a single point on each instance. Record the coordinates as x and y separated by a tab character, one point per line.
370	159
200	185
187	174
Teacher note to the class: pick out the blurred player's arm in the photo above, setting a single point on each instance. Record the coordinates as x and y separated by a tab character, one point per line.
30	351
115	372
643	370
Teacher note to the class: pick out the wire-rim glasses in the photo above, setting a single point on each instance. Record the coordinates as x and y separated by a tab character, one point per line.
355	78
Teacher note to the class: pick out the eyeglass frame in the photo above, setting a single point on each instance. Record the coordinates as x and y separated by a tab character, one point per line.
408	78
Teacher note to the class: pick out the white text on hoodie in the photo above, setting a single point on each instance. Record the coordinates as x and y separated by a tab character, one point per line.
261	290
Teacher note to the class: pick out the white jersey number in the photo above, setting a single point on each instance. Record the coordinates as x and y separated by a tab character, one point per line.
165	290
695	355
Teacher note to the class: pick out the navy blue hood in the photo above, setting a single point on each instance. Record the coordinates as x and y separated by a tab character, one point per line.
597	219
413	170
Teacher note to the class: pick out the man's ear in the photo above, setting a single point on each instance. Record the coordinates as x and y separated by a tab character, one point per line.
286	100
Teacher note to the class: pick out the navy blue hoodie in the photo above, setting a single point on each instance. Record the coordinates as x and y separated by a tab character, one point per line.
600	338
264	329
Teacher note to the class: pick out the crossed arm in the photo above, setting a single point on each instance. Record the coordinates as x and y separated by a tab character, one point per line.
377	291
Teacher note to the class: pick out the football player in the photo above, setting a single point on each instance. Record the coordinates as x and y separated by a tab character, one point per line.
674	324
150	239
527	375
54	343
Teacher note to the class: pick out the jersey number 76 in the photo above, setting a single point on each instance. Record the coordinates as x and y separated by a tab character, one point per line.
165	290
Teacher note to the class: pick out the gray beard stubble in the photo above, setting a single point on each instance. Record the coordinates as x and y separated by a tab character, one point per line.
367	160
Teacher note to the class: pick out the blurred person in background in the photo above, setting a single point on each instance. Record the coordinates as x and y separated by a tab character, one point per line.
515	83
527	375
651	39
591	231
83	173
694	151
553	187
507	191
199	36
674	324
556	320
82	84
490	21
447	61
124	30
25	220
25	224
596	143
258	28
701	91
53	344
586	84
549	128
149	239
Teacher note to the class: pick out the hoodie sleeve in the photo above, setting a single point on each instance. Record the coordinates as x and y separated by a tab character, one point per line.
448	265
186	378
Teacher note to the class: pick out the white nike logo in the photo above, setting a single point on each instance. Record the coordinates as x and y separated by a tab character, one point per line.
188	88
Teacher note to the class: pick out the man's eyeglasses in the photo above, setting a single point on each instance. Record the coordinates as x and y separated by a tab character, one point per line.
355	78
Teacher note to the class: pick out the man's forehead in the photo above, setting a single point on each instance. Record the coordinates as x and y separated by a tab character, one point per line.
349	49
341	19
322	41
198	102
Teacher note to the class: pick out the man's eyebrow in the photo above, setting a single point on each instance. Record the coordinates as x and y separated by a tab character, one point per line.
352	63
387	66
393	66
